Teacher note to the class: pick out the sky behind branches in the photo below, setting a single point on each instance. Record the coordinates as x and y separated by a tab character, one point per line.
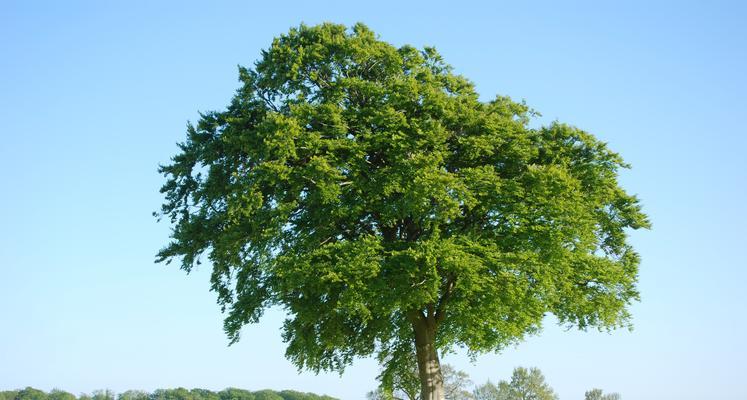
94	95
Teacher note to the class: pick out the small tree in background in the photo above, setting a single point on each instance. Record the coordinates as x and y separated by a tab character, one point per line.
8	394
235	394
528	384
525	384
487	391
133	395
104	394
57	394
597	394
30	393
456	383
267	395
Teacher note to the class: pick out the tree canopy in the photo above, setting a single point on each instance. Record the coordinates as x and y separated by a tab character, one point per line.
371	193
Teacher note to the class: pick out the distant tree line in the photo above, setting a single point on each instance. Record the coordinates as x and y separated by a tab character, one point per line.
30	393
524	384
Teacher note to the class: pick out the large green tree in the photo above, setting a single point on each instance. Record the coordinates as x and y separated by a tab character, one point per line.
370	192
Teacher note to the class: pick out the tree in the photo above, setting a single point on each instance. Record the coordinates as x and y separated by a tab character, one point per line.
103	395
525	384
455	383
133	395
597	394
235	394
57	394
294	395
174	394
488	391
267	395
8	394
368	191
204	394
30	393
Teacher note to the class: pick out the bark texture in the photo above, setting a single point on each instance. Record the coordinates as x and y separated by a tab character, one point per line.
429	366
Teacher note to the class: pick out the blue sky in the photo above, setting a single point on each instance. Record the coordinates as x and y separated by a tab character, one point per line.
94	95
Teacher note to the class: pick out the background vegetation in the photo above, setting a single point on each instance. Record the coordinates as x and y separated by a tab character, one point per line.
525	383
30	393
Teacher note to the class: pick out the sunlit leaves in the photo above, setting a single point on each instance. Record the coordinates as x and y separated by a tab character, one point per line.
352	182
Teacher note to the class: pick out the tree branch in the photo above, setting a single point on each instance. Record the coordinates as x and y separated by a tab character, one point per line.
263	96
441	307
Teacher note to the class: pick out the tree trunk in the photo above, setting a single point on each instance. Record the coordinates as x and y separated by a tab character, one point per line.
429	367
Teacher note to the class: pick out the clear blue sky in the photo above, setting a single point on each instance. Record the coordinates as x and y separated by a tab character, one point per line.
94	95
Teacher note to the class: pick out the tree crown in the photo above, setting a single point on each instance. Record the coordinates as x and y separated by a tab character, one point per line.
360	185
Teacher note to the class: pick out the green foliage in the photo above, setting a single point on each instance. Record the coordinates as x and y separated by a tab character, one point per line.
294	395
488	391
379	394
164	394
30	393
9	395
597	394
57	394
401	382
525	384
235	394
267	395
173	394
405	385
103	395
203	394
456	383
359	185
133	395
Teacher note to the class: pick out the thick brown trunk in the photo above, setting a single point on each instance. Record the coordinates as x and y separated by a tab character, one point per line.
429	367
